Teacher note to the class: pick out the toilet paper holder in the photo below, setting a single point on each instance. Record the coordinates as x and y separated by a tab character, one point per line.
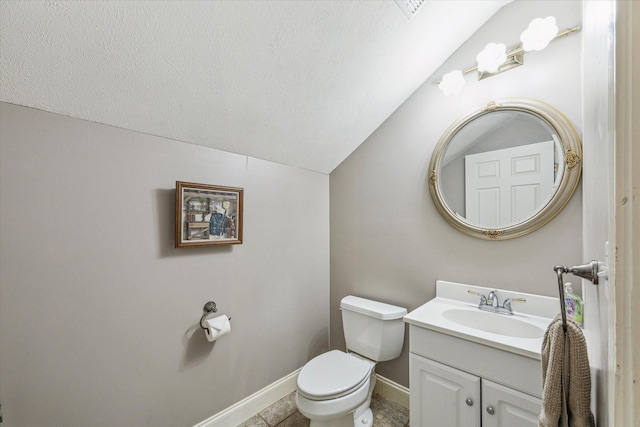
209	308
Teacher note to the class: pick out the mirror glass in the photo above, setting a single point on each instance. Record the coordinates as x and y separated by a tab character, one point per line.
506	169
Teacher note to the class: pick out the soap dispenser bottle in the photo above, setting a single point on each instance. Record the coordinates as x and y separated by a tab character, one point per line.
573	305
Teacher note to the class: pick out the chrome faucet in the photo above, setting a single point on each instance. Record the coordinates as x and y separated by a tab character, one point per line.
490	303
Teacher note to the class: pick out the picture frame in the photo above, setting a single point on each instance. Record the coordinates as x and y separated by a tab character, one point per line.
208	215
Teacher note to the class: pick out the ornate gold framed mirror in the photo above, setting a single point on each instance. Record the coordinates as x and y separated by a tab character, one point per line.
506	169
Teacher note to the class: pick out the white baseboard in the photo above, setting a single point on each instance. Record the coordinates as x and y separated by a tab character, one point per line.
252	405
392	391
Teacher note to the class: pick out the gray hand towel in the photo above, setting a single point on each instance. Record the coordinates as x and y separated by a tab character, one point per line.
566	378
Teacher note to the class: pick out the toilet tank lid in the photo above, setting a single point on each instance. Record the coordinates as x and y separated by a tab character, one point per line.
378	310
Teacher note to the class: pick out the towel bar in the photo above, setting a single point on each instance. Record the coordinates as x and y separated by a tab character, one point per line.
563	310
587	271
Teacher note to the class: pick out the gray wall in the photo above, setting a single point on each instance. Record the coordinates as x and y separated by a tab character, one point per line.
389	243
99	312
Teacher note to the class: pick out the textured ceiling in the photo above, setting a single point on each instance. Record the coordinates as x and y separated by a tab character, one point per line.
302	83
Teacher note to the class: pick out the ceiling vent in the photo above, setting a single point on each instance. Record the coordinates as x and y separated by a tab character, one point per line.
410	7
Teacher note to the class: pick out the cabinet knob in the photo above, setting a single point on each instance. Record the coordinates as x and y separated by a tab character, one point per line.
490	410
469	401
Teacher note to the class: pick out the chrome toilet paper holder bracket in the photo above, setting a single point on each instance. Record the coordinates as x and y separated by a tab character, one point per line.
209	308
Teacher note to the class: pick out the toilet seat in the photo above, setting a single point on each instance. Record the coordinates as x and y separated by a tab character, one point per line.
332	375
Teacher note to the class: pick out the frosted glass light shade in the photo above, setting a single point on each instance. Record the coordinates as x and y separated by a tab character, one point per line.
452	83
539	33
492	57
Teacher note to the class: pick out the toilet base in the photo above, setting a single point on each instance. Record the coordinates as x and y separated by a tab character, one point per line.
345	421
364	420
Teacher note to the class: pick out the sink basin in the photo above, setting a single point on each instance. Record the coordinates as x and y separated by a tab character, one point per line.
493	323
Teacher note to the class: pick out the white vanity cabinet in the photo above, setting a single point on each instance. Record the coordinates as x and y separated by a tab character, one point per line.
441	395
503	407
457	383
477	368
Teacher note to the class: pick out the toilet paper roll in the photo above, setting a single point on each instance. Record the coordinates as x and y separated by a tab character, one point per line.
216	327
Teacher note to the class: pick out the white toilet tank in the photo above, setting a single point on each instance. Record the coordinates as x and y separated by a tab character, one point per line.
373	329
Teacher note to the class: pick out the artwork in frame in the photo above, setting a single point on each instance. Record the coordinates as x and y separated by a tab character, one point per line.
208	215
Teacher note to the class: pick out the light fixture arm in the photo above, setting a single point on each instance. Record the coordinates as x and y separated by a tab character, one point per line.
518	49
514	56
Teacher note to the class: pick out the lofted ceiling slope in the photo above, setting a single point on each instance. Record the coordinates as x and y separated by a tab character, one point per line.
301	83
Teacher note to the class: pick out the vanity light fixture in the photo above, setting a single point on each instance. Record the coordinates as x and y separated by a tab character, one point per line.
496	58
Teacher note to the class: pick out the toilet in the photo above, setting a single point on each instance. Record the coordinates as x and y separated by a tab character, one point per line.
335	388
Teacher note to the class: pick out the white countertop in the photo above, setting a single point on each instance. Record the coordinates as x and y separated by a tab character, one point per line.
537	311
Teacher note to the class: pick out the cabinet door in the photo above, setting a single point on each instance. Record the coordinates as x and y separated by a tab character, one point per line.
505	407
442	396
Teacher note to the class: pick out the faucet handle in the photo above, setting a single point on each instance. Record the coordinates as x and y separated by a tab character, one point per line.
483	298
507	302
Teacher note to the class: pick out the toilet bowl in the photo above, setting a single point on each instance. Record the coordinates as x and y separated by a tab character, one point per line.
335	388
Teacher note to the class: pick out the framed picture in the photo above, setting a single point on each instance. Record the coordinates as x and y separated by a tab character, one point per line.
208	215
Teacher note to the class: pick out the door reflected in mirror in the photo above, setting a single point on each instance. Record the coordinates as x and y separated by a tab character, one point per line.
500	169
498	172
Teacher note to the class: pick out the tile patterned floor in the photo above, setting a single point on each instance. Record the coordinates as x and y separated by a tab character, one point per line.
284	413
